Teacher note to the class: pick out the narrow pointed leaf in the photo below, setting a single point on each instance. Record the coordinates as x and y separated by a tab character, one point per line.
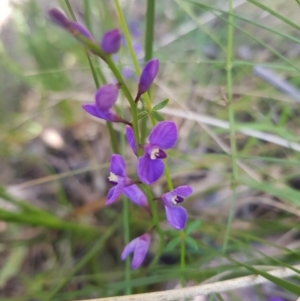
157	116
161	105
173	243
193	226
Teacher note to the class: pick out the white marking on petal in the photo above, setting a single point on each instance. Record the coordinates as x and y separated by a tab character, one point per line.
113	177
153	153
174	199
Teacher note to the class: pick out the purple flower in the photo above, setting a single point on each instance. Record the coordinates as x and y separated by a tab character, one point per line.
130	138
150	166
73	27
111	41
176	215
139	247
147	77
123	184
105	98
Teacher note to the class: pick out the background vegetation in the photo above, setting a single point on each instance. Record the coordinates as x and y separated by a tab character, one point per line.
236	106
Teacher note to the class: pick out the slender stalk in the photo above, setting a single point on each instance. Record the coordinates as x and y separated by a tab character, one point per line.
182	257
149	30
87	15
70	9
231	123
126	217
148	105
149	34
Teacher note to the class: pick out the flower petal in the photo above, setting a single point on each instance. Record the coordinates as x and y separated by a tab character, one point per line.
114	193
149	170
81	29
139	246
58	18
106	96
129	248
106	115
92	110
164	135
176	216
117	165
130	138
183	191
140	250
136	195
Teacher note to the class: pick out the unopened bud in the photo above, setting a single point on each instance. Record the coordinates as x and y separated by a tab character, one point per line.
148	75
111	41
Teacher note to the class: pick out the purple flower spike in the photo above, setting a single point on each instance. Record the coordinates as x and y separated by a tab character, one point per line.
147	77
176	215
73	27
105	98
150	166
123	184
111	41
139	247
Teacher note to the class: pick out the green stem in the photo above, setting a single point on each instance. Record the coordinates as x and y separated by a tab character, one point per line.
149	34
182	257
87	15
70	10
149	29
232	124
148	105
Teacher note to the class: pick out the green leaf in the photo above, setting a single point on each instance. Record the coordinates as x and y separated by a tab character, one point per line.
157	116
193	226
172	244
161	105
192	243
141	115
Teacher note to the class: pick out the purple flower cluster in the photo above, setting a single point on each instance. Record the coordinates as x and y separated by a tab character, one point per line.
150	166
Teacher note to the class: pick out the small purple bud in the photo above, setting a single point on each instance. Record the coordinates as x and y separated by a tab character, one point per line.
73	27
106	96
111	41
139	247
58	18
148	75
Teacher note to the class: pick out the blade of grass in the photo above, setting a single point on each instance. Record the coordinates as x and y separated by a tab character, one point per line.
274	13
233	150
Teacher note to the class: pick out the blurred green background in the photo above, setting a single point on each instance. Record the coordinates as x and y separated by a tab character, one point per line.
57	241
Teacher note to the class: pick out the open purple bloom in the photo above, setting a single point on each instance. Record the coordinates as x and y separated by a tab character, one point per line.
150	166
176	215
148	75
105	98
73	27
123	184
111	41
139	247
